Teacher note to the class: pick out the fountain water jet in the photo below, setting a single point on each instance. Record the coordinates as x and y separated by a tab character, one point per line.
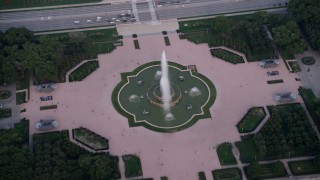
165	85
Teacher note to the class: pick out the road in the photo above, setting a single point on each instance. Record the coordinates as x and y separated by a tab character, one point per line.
144	11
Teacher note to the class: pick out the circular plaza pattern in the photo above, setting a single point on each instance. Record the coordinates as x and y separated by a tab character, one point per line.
138	97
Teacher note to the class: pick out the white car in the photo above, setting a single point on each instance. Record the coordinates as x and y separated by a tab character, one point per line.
117	20
98	19
88	21
76	22
113	18
111	22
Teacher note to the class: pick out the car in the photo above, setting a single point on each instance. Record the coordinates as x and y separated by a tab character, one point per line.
112	22
133	20
114	18
88	20
108	20
76	22
98	19
117	20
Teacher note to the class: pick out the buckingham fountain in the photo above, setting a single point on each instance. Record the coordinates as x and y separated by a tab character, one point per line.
164	96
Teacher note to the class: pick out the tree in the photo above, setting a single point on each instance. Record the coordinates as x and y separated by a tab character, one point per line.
222	24
288	37
277	167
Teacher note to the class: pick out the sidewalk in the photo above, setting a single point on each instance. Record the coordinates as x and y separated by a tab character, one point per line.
65	6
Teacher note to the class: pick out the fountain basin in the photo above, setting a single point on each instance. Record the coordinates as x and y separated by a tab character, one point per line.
153	102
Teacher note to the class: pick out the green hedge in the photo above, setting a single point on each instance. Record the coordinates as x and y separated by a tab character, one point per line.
83	71
227	56
133	166
48	107
5	113
227	174
304	167
312	103
265	171
225	154
251	120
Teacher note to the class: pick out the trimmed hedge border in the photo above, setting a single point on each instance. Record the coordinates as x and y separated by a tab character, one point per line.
309	60
48	107
295	165
227	56
202	175
5	94
225	173
241	121
277	81
166	41
126	165
225	150
83	143
130	118
5	113
136	44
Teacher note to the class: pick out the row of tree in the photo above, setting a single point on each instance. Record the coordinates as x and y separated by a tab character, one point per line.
287	131
306	13
21	52
53	157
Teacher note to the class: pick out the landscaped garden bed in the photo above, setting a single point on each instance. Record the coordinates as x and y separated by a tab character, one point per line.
133	166
251	120
48	107
304	167
294	66
287	133
225	154
277	81
243	33
265	171
136	44
308	60
5	94
227	174
21	97
56	157
90	139
202	176
79	46
166	40
227	56
312	103
5	113
83	71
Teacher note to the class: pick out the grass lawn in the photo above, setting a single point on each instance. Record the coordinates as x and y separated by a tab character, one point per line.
266	171
38	3
247	149
312	103
20	97
5	113
225	154
48	107
133	166
83	71
227	56
227	174
294	66
23	83
90	139
303	167
251	120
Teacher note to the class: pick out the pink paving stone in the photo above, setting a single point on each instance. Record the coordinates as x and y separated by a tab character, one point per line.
179	155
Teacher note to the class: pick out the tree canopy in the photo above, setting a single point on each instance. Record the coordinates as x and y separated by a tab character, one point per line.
306	12
21	51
